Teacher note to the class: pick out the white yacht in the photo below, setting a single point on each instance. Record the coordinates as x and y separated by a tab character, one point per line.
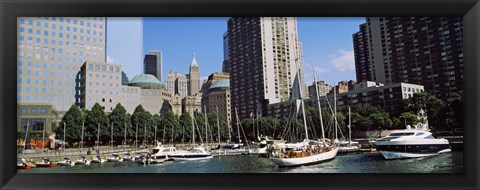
97	160
411	143
114	158
348	146
66	162
128	157
196	153
82	161
164	152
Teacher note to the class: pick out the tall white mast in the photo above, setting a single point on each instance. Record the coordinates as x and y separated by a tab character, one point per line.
349	126
318	104
238	126
98	135
193	131
25	142
206	127
81	142
63	143
218	125
111	135
335	108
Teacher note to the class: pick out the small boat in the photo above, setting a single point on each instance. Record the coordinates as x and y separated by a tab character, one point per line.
24	164
348	147
196	153
45	163
97	160
155	160
114	158
66	162
82	161
128	157
143	160
229	149
411	143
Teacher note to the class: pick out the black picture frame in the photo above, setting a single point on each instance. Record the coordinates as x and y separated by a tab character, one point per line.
11	9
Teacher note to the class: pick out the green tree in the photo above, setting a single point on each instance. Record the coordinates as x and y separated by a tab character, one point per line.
120	119
185	122
454	114
143	123
73	120
92	119
426	102
408	118
380	121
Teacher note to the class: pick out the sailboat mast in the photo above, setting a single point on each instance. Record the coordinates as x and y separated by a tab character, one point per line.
144	135
335	108
81	142
238	126
318	104
25	142
349	126
206	128
63	143
155	135
111	135
193	131
254	130
43	140
218	126
98	135
125	134
136	136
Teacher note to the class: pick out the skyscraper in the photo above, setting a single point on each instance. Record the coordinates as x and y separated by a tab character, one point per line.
418	50
152	64
51	51
177	83
225	53
193	78
264	56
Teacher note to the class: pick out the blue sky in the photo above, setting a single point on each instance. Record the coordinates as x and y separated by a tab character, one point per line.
327	44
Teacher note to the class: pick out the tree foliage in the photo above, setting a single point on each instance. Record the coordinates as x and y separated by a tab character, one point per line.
94	118
72	120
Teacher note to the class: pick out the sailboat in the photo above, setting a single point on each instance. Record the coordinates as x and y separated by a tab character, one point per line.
195	153
45	162
66	160
24	164
82	160
229	149
127	156
349	146
308	151
98	159
114	157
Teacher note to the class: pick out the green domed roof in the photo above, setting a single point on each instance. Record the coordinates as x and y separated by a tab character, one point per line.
146	80
222	84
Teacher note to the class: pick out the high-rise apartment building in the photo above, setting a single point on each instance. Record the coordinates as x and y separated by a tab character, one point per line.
152	64
193	78
418	50
225	53
177	84
51	51
263	58
322	87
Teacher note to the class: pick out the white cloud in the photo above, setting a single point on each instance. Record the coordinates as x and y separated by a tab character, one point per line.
109	59
344	60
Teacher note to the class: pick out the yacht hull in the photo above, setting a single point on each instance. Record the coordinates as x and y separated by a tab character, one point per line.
187	157
312	159
389	155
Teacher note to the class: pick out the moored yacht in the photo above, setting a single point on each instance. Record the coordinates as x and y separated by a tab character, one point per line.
411	143
97	160
164	152
196	153
66	162
82	161
114	158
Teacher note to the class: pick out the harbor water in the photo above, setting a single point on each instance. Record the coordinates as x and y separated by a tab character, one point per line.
359	162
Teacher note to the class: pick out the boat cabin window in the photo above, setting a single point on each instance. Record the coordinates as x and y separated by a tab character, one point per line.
419	134
429	137
400	134
166	150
